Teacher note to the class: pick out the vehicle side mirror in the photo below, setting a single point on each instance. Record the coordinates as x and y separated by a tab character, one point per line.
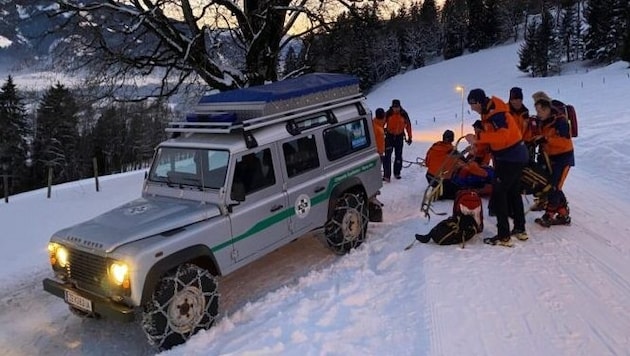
238	191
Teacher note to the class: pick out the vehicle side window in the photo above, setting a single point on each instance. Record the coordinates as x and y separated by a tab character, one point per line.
255	171
345	139
300	155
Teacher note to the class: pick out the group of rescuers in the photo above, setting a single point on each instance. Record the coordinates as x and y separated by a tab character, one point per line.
506	140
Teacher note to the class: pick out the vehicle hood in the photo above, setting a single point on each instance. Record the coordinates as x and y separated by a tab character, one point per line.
135	220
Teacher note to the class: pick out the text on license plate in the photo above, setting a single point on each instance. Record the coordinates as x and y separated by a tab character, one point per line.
78	301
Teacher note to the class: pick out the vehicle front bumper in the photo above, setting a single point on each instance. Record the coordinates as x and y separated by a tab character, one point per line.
101	306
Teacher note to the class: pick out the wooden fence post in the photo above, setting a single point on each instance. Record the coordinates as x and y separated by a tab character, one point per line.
5	181
95	164
50	176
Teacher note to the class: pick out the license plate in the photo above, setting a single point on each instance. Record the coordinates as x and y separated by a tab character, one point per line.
78	301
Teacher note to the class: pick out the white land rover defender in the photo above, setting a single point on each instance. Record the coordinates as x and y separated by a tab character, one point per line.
249	171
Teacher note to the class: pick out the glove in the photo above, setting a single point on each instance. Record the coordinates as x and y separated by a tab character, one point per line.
471	138
409	141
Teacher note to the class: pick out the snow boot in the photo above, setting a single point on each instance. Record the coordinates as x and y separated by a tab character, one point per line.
519	234
499	241
545	220
561	220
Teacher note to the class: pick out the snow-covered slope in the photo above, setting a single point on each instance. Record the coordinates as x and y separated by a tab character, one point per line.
566	291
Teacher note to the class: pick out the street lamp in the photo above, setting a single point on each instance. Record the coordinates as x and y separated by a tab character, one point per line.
460	88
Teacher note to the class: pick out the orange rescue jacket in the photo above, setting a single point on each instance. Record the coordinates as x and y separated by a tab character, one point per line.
557	134
398	123
501	133
439	156
379	135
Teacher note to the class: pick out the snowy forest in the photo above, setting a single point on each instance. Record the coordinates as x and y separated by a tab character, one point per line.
65	133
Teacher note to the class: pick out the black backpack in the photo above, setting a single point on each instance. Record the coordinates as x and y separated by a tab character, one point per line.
450	231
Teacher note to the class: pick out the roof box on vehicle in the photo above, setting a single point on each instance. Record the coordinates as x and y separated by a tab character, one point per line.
211	117
277	97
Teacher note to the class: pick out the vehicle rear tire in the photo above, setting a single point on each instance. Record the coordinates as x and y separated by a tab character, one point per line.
185	301
347	227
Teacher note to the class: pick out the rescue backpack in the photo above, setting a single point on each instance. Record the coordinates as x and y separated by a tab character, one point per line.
466	221
452	230
569	113
468	202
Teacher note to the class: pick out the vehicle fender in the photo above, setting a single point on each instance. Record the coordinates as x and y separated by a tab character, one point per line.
351	184
199	255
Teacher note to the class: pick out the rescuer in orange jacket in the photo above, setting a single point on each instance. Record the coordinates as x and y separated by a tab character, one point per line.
379	130
555	141
441	162
500	132
396	124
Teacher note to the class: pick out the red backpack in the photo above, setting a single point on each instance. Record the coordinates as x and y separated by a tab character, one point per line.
468	202
569	112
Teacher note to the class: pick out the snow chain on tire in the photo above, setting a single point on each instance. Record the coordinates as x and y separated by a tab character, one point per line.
183	302
347	227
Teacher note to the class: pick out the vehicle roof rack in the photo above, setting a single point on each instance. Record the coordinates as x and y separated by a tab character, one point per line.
259	106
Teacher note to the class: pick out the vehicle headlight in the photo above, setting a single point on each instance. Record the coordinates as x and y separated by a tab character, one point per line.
119	274
58	255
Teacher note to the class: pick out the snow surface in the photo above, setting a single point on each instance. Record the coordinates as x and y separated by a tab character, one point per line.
4	42
565	291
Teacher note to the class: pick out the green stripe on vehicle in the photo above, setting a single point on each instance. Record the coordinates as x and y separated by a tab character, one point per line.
290	211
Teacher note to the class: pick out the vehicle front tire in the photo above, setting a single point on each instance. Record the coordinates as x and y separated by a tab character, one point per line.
347	227
185	301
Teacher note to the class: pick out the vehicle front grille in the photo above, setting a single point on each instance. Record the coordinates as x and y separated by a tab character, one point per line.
88	271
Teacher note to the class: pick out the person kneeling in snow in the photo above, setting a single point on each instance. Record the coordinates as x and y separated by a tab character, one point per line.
441	160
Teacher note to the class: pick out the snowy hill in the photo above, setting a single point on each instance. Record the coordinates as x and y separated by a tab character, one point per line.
565	291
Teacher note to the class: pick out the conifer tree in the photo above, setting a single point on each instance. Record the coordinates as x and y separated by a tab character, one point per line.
56	136
491	23
454	15
512	14
14	135
430	33
625	48
600	40
569	29
108	138
527	52
540	54
476	22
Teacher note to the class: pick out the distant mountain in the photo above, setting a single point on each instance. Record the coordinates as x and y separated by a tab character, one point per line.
24	42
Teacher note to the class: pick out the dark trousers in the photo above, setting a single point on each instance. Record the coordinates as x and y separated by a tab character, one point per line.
393	143
557	199
386	159
506	195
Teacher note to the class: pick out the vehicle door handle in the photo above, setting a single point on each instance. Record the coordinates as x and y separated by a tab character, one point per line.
276	208
319	189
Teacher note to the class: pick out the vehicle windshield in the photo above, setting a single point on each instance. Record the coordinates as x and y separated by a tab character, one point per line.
201	168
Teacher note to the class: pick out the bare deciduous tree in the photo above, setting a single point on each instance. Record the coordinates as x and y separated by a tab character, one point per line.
225	44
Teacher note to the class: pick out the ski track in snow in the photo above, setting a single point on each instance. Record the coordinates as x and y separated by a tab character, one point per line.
448	273
528	275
